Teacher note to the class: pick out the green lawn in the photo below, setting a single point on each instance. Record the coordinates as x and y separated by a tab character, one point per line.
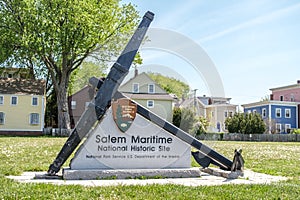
19	154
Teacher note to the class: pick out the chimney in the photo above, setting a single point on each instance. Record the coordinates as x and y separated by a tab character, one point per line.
136	72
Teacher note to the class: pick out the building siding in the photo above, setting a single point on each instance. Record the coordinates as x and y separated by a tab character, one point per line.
271	114
161	108
143	80
17	117
283	120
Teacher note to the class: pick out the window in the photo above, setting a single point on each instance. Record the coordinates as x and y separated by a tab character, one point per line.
292	97
225	114
278	112
254	111
34	101
1	100
14	100
230	113
2	117
287	113
212	114
135	88
249	111
150	104
264	112
281	98
151	88
278	128
34	118
287	128
73	105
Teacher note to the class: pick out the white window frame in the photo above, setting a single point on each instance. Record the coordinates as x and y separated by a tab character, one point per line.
149	104
254	111
249	111
287	126
135	88
230	114
3	117
278	111
11	100
32	121
1	100
278	128
287	111
153	88
73	105
264	112
37	101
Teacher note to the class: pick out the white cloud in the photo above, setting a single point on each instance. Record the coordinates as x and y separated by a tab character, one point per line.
253	22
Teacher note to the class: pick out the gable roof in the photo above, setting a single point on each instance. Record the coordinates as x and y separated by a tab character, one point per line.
22	86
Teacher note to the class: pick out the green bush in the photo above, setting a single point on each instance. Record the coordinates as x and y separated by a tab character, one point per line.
296	131
248	123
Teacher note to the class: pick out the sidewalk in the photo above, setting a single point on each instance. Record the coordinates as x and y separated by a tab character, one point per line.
205	179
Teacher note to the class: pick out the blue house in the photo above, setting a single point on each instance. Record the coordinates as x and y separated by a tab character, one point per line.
279	116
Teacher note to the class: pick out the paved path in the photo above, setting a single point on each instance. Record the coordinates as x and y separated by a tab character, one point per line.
205	179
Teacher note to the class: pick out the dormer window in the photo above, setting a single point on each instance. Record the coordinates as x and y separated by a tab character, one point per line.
135	88
151	88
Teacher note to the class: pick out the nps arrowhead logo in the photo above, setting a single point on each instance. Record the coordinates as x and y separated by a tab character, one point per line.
124	112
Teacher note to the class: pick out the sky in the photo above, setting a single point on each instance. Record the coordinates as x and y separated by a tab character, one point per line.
252	45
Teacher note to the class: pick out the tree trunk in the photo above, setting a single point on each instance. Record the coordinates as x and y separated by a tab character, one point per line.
62	102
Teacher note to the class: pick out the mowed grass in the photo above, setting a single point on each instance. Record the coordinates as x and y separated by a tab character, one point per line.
20	154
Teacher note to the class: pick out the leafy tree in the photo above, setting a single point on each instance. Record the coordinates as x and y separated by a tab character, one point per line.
51	110
58	35
200	126
253	123
171	85
245	123
265	98
233	123
183	118
83	73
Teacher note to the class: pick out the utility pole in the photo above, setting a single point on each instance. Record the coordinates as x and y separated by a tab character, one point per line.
195	102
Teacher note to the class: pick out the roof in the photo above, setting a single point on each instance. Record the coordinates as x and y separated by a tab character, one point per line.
22	86
270	102
191	101
155	96
294	86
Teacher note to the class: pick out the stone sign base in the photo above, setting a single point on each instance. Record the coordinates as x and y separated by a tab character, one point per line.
98	174
223	173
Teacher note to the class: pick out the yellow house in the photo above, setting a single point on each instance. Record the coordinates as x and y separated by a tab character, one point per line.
22	106
149	94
